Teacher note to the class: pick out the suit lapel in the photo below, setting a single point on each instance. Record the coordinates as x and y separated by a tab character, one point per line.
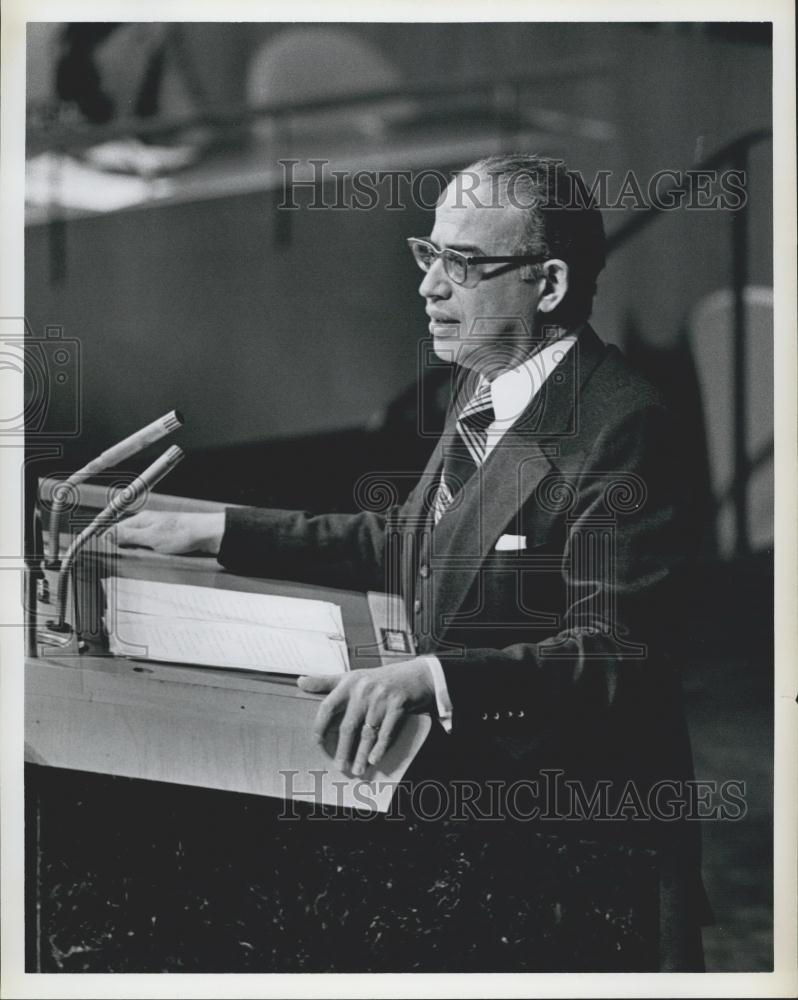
495	493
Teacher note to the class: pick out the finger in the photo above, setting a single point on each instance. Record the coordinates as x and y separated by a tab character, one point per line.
143	519
129	529
320	684
368	737
388	729
349	733
333	705
124	533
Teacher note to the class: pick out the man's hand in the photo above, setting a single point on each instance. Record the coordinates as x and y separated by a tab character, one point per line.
172	533
371	705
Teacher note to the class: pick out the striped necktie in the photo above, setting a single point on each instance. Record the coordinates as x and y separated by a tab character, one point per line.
465	451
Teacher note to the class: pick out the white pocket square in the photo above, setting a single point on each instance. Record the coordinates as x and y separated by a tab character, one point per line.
511	543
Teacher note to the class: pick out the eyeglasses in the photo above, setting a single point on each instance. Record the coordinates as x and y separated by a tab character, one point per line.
456	264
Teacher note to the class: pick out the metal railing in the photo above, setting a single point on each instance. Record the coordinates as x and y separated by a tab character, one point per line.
503	96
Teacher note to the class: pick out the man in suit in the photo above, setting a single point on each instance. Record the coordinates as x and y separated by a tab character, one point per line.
540	552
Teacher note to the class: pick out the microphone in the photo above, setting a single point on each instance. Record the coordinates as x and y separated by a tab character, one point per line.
120	452
126	498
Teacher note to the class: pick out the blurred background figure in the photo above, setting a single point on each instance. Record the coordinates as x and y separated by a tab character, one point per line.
111	69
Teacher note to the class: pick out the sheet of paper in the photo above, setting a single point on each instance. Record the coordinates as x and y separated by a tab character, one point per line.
177	623
172	600
237	646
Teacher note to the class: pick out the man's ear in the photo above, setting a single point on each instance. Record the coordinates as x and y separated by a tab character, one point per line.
555	278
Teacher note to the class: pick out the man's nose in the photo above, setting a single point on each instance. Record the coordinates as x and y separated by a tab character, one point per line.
435	284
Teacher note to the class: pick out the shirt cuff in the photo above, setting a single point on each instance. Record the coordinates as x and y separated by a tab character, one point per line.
442	700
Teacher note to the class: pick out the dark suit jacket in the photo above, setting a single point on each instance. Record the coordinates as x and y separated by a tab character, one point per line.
556	656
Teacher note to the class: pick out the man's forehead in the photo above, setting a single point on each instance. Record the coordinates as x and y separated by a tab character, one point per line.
471	216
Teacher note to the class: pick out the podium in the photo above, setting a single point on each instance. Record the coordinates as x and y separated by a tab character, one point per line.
215	728
159	837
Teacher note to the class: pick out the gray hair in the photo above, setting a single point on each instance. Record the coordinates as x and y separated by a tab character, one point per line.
561	221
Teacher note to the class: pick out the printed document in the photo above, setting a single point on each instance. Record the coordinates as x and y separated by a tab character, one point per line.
181	623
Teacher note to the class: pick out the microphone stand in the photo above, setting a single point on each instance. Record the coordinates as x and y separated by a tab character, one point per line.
59	632
34	580
120	452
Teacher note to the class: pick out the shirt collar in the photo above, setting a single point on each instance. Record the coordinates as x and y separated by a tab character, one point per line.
514	390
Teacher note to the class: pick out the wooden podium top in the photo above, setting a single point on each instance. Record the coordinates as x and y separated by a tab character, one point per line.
217	728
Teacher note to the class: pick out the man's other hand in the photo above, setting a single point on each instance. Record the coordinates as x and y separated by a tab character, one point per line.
172	533
371	705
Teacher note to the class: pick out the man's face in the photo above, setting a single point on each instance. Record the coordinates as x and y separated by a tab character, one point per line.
488	327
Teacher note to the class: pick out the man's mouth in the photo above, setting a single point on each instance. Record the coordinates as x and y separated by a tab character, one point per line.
442	325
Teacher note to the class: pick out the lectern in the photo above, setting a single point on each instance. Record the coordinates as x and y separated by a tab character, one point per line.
159	834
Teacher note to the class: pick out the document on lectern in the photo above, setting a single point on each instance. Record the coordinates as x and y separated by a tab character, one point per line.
205	626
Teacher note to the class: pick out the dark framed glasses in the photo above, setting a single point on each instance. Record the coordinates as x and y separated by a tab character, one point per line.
456	264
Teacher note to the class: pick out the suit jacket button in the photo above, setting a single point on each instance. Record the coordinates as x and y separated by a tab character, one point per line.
484	716
520	713
423	571
417	605
497	716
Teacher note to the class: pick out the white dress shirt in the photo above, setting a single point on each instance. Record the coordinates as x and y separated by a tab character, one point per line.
511	393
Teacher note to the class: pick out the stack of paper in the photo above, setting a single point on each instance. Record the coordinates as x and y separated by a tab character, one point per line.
179	623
